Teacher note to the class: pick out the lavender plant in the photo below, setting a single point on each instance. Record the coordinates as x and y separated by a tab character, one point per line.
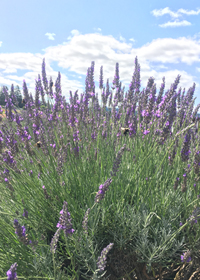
57	157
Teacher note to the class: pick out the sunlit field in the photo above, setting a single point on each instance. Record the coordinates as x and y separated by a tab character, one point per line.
88	193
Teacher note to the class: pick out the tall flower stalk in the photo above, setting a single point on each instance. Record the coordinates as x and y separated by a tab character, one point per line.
79	143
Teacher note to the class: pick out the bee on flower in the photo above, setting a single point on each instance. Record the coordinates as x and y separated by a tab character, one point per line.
125	130
38	144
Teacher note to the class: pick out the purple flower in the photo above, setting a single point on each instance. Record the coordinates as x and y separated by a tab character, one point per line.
6	170
157	114
102	189
146	132
55	240
25	214
143	113
85	221
186	257
102	259
21	232
11	273
117	161
65	220
116	78
101	78
194	217
45	193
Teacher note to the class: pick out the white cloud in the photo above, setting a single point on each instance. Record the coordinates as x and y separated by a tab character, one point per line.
122	38
10	70
189	13
161	12
77	54
177	14
175	23
97	29
132	40
194	37
174	15
169	50
160	67
50	36
74	32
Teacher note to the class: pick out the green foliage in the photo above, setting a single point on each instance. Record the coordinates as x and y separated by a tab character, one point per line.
141	211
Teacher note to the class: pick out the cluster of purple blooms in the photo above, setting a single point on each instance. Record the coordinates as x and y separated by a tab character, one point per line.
161	110
85	221
65	220
64	224
102	259
21	232
186	257
102	190
12	272
150	108
194	217
117	161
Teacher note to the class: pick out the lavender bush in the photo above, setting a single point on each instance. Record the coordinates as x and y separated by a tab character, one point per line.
75	187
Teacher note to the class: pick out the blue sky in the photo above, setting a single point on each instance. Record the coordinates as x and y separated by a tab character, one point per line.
164	35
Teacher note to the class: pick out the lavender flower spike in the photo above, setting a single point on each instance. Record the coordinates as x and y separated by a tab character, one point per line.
85	221
186	257
194	217
11	273
117	161
55	240
65	221
102	259
102	189
25	214
21	232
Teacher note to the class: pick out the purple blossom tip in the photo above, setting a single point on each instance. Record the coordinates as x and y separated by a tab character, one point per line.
102	190
102	259
11	273
186	257
65	220
25	213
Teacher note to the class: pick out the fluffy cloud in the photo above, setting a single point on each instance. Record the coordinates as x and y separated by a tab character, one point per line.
80	50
